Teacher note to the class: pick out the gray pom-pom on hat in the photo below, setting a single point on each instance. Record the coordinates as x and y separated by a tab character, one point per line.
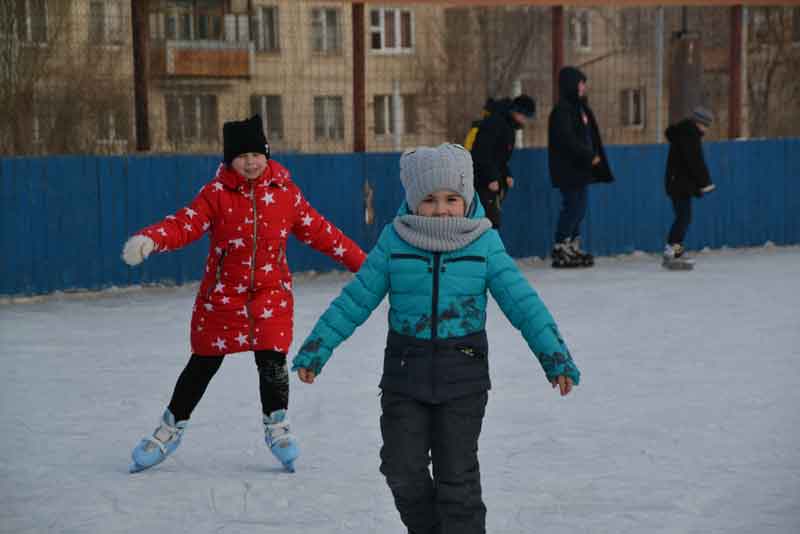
424	170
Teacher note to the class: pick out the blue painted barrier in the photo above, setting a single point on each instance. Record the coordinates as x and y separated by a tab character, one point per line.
63	219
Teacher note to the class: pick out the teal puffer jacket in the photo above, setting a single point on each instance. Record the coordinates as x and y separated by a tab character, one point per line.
439	295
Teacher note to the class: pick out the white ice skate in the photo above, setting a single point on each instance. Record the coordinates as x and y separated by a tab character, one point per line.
674	258
154	449
280	440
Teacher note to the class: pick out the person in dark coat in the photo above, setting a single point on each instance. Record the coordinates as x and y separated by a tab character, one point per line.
492	151
576	158
687	176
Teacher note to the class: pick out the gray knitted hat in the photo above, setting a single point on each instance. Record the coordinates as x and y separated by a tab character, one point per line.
702	115
424	170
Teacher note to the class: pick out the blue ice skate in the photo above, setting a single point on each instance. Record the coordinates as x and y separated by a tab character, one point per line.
279	439
154	449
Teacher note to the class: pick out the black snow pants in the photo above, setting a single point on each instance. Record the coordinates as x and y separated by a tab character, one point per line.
416	434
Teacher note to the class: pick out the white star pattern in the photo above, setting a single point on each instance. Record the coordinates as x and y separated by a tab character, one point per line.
219	343
170	217
238	242
307	220
219	287
162	232
297	199
268	199
188	227
241	338
328	228
284	233
267	313
218	250
248	220
218	186
339	251
225	300
284	304
243	311
240	289
208	306
206	226
267	268
190	212
276	348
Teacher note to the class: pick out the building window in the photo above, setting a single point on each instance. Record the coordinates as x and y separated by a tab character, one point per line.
112	126
265	29
326	33
385	114
580	30
32	17
105	23
631	28
191	117
270	108
391	30
328	118
632	107
237	28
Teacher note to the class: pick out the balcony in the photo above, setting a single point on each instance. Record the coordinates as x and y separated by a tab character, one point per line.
201	59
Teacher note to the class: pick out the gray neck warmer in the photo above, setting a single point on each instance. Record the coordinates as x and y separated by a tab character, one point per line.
440	234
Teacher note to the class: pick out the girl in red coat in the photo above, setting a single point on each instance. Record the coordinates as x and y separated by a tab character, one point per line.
245	298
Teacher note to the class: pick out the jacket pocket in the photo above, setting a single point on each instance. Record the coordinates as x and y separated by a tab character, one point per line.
217	274
479	259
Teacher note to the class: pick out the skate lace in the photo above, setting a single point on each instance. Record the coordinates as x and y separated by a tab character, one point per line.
163	436
277	433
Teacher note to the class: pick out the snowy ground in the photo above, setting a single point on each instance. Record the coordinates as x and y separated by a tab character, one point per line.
688	419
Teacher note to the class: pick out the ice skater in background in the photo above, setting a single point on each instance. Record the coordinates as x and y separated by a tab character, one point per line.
436	261
687	176
245	298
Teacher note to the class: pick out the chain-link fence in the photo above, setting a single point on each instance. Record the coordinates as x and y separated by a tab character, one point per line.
69	76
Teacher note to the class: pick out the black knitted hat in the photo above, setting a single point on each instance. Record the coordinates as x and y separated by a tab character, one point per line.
241	137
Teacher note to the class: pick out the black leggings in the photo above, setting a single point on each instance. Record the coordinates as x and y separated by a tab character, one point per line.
273	381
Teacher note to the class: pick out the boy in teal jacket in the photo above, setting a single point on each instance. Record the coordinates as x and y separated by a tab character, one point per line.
436	261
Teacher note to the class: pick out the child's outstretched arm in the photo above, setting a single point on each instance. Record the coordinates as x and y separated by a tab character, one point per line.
526	311
175	231
346	313
314	230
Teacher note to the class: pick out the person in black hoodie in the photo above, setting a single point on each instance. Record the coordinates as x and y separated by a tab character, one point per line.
687	176
492	150
576	158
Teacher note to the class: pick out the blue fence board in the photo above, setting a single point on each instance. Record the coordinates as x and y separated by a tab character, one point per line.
63	220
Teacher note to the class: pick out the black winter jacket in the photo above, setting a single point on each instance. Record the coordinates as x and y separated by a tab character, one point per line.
686	168
492	149
571	144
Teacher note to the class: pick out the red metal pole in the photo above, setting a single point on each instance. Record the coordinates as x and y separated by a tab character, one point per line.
735	90
141	73
558	46
359	83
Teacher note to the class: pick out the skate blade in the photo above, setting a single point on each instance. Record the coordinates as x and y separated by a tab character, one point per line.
678	266
137	468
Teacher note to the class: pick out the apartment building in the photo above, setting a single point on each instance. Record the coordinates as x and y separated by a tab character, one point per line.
68	71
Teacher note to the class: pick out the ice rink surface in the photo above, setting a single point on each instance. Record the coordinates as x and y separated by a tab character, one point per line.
687	419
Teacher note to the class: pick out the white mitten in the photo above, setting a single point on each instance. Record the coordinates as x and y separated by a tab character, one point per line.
136	249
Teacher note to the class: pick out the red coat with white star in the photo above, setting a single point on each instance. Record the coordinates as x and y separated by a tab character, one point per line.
245	299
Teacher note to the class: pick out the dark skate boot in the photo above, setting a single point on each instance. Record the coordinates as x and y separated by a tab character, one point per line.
586	259
564	257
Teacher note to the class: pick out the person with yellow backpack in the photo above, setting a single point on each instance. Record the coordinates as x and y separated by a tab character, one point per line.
491	142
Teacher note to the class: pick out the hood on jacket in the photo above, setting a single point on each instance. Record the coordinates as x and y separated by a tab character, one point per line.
684	128
568	80
230	178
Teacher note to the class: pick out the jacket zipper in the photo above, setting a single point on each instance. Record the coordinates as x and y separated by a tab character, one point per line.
437	257
253	264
